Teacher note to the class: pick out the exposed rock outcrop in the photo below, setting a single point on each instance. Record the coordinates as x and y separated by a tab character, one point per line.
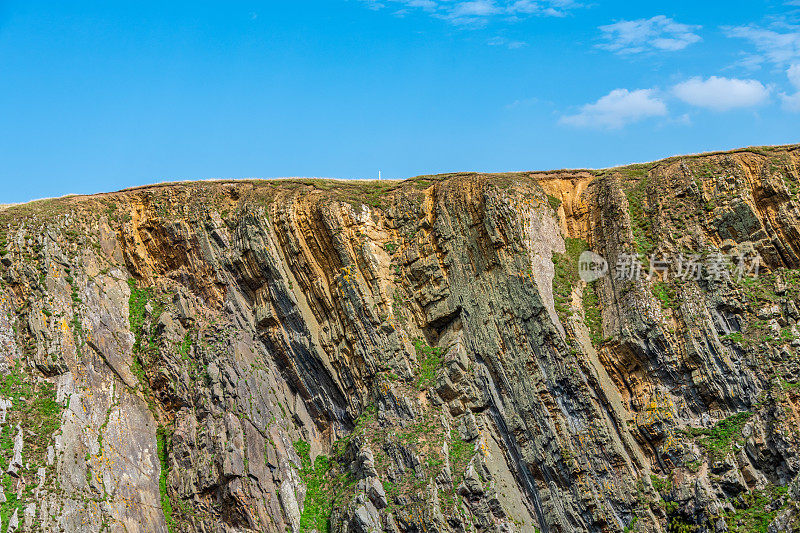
301	355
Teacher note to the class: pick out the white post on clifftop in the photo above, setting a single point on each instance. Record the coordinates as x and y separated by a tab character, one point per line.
379	175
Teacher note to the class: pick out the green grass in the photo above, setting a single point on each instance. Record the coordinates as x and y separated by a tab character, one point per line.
45	410
759	290
459	449
136	310
592	314
371	193
318	504
185	346
665	294
735	336
459	454
751	514
11	504
138	370
430	360
554	202
640	221
566	275
786	385
719	439
631	525
35	409
144	348
397	305
636	171
166	505
661	485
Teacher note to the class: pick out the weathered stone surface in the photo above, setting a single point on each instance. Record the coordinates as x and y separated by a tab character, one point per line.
405	356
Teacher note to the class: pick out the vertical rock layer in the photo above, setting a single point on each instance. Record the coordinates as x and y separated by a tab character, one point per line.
299	355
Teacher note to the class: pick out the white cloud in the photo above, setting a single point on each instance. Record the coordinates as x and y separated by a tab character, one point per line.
424	4
659	33
526	6
684	120
475	8
777	47
525	102
791	102
721	94
618	108
479	12
552	8
793	73
474	12
507	43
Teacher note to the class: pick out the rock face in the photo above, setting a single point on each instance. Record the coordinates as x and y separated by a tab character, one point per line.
308	355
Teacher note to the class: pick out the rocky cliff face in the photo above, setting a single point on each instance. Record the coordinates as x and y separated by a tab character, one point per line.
301	355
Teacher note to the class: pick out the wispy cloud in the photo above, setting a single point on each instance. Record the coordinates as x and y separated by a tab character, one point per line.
478	12
475	8
659	33
791	102
793	73
507	43
778	44
526	102
617	109
721	94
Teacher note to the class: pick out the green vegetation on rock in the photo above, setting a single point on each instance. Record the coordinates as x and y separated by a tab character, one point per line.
166	505
755	510
592	314
11	504
35	410
144	348
566	275
719	439
320	489
460	453
665	294
554	202
137	310
640	221
430	360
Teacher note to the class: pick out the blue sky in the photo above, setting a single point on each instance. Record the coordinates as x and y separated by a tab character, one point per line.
96	96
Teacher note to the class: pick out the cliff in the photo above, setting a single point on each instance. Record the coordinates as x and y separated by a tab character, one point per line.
425	355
